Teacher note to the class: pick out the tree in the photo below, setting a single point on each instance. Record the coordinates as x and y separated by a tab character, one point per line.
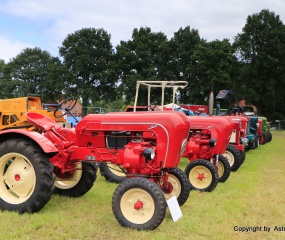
88	55
35	71
214	62
261	50
142	58
181	63
5	83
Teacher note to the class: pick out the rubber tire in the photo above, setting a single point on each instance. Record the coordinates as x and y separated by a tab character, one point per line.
253	144
88	177
248	147
263	139
183	181
109	175
42	168
243	155
226	169
266	137
210	167
269	136
236	155
256	141
149	188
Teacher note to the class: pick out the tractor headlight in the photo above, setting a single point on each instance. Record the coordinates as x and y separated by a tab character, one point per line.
244	141
183	146
149	154
212	142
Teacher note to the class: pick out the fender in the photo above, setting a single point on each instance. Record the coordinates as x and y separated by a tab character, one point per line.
46	145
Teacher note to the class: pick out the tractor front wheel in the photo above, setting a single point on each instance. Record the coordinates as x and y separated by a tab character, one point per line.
139	203
224	168
202	174
234	157
77	183
180	184
27	176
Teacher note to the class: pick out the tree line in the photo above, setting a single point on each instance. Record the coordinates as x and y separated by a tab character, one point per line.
90	68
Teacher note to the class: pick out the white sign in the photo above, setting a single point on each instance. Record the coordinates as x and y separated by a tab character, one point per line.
174	208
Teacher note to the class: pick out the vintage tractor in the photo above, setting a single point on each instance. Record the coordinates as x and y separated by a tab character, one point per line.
235	151
148	146
235	109
208	139
13	112
265	135
264	126
248	136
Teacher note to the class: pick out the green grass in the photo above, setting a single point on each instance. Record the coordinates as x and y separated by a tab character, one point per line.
251	197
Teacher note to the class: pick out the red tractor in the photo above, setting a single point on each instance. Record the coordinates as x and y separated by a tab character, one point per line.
148	146
235	151
209	137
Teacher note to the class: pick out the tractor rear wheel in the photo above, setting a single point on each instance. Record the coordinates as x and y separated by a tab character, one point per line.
242	155
256	141
266	137
27	176
180	184
139	203
112	172
262	139
234	157
202	175
269	136
78	183
224	168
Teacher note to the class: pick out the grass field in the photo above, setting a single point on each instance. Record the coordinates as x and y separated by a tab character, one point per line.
250	202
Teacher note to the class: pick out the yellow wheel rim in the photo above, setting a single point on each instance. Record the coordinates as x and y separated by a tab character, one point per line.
71	181
116	170
230	157
18	178
221	169
137	206
200	177
176	187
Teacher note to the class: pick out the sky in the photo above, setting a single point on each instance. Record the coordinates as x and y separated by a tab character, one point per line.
46	23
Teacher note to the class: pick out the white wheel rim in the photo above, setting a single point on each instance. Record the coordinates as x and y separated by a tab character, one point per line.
132	197
18	178
71	181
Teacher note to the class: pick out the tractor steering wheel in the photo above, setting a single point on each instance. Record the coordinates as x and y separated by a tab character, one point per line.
70	104
150	108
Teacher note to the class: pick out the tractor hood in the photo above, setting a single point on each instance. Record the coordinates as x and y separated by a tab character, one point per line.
220	128
170	129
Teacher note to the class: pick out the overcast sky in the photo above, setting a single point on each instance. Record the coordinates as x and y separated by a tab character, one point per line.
46	23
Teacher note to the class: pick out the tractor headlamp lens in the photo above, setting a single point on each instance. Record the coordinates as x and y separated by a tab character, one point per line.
149	153
244	141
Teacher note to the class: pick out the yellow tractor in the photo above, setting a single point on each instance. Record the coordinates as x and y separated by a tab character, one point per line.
12	112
